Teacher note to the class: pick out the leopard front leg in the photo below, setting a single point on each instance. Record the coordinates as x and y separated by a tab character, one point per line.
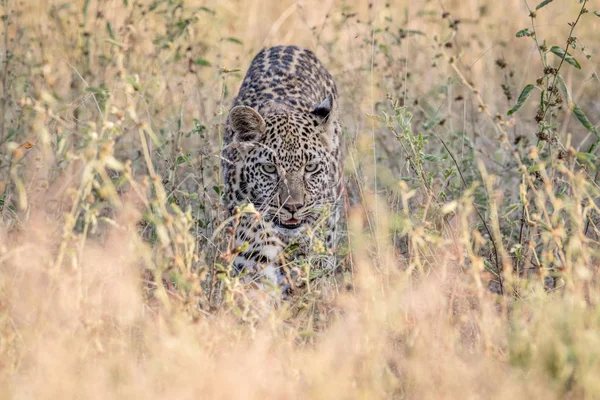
261	255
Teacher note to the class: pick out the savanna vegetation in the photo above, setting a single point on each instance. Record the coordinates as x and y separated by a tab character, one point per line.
470	267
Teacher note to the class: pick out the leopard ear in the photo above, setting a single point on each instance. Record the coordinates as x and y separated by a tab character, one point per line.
246	123
325	114
325	109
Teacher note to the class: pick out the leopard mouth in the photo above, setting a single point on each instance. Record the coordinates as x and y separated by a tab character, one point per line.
291	223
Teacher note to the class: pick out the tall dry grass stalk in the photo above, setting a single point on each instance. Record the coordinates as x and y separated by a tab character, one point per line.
470	265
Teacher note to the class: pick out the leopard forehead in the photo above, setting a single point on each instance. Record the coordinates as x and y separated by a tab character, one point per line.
292	139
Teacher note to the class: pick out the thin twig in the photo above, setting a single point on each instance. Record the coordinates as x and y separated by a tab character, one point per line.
562	60
4	98
485	225
587	224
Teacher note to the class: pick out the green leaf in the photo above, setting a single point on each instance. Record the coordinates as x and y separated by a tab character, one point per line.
185	158
510	209
563	88
597	14
524	32
183	24
581	117
543	3
125	3
101	94
412	32
203	62
85	9
587	158
110	30
234	40
522	98
133	83
208	10
198	129
154	5
568	58
430	157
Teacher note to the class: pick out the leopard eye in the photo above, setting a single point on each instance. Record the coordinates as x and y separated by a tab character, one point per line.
311	167
269	168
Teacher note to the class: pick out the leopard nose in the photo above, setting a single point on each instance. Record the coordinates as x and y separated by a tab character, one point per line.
293	207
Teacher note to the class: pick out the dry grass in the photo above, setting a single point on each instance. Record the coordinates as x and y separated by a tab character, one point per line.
472	251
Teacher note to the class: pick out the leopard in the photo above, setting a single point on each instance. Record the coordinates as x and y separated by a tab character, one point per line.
282	163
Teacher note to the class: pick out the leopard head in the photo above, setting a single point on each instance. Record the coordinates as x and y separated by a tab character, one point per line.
289	165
